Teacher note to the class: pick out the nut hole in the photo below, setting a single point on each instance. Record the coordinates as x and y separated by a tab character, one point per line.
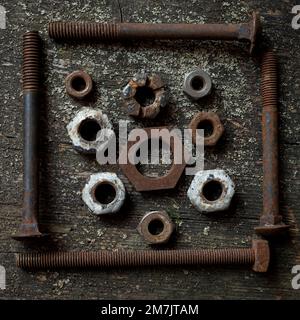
144	96
78	84
156	227
197	83
212	190
207	126
105	193
88	129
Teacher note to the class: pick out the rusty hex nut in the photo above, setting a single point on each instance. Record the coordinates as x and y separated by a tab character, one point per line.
89	130
139	87
197	84
79	84
211	191
156	227
104	193
204	119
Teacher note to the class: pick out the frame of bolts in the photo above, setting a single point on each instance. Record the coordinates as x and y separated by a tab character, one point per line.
270	221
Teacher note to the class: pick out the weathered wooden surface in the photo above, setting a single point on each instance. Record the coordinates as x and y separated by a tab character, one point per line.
63	171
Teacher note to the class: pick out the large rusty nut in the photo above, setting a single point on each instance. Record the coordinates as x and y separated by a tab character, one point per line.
79	84
104	193
211	124
197	84
139	93
89	130
211	190
156	227
144	183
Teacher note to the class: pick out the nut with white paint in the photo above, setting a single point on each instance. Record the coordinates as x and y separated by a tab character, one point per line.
211	190
197	84
104	193
89	130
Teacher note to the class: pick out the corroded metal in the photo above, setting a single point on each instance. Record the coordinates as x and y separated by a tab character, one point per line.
258	257
86	31
154	220
270	220
31	95
215	122
84	84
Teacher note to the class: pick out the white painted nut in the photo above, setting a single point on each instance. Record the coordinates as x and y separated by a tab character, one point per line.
197	84
211	190
89	130
104	193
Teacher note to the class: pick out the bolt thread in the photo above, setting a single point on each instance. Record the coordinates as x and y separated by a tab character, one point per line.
31	61
269	80
83	31
52	260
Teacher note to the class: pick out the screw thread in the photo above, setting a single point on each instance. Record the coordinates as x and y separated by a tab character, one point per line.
31	60
83	31
269	80
82	259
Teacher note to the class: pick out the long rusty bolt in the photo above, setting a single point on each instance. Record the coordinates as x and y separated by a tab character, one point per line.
258	257
270	220
81	31
31	87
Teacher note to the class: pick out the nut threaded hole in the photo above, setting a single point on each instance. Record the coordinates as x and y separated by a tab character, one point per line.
144	96
207	126
212	190
78	84
156	227
105	193
197	83
88	129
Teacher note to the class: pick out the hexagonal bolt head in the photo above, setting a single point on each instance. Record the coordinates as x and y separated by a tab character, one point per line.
262	255
90	130
197	84
139	87
211	191
156	227
79	84
207	119
104	193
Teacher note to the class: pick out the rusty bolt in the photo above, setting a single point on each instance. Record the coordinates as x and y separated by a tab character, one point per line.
156	227
258	257
211	191
104	193
207	121
29	227
197	84
79	84
141	89
86	31
142	182
270	220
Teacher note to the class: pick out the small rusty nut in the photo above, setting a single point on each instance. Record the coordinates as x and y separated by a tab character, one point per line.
104	193
210	123
211	190
144	95
79	84
89	130
197	84
156	227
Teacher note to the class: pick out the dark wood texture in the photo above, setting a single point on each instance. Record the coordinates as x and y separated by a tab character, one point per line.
235	97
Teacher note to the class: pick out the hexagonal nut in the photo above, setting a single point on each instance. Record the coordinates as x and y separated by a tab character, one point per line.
90	130
79	84
141	85
104	193
197	84
145	183
207	121
156	227
211	191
